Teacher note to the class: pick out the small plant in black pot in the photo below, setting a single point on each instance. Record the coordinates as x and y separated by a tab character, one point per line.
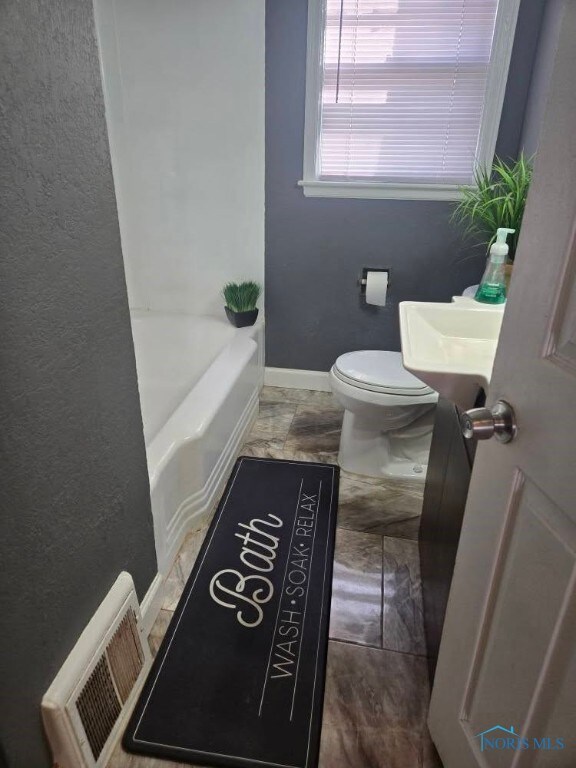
241	301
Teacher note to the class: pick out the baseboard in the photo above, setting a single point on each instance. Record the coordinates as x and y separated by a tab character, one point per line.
152	602
293	378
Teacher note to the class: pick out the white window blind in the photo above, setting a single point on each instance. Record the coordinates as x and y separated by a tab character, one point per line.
402	89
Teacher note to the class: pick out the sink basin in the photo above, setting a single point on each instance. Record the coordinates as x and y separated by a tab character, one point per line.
451	347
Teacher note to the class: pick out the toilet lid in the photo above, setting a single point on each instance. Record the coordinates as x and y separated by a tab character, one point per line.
380	372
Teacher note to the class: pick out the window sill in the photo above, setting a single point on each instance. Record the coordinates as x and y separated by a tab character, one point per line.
367	190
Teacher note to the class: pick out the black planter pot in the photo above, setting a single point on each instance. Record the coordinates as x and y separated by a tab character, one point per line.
241	319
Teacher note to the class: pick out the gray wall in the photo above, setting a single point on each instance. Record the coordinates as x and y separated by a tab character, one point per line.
541	74
316	248
74	492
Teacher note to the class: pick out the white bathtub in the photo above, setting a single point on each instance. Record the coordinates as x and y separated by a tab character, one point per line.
199	380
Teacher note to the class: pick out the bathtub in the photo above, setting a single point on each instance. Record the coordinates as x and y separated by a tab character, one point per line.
199	380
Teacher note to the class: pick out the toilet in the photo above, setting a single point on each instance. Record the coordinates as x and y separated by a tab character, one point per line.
388	415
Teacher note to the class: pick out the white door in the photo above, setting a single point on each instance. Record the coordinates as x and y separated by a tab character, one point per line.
507	665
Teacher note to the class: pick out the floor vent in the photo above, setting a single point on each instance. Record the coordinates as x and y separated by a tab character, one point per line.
85	706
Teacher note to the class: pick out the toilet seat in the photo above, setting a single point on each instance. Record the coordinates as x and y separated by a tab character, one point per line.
379	371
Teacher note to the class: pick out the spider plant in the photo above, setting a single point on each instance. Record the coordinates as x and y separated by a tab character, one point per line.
497	199
241	297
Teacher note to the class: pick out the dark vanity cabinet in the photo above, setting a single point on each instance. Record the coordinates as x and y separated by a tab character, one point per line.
447	481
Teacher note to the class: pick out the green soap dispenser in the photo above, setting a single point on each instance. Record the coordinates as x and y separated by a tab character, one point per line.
492	288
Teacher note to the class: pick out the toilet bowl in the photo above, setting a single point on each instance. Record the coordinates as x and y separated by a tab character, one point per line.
388	415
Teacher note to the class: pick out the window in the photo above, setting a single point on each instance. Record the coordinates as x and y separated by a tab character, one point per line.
403	97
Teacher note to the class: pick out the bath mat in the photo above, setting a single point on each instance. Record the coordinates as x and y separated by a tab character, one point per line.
239	677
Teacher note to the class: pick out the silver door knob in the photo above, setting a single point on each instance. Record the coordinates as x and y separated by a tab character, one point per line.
484	423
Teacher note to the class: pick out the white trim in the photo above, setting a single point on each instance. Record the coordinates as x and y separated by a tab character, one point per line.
374	190
293	378
314	56
312	186
152	602
502	44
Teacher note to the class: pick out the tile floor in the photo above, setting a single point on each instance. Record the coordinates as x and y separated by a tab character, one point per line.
377	682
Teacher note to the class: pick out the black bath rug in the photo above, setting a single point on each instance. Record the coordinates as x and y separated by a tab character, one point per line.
239	677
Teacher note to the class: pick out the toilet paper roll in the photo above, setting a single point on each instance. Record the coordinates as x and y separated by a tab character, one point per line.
376	288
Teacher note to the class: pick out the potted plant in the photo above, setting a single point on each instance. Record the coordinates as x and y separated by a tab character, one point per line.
497	199
241	301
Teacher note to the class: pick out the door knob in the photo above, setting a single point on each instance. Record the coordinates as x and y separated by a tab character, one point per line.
483	423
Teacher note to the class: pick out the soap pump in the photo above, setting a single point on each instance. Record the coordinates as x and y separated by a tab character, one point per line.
492	288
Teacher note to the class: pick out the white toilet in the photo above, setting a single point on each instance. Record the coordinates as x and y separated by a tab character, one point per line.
389	415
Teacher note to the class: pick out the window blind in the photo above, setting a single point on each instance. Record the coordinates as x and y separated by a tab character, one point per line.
403	89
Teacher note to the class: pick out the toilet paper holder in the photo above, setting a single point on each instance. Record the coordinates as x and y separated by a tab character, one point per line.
364	277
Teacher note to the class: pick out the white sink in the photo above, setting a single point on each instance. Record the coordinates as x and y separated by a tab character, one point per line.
451	347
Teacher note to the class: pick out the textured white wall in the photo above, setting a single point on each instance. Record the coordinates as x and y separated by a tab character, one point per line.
184	91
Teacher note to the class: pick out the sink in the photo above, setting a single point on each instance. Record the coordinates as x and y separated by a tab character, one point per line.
451	347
